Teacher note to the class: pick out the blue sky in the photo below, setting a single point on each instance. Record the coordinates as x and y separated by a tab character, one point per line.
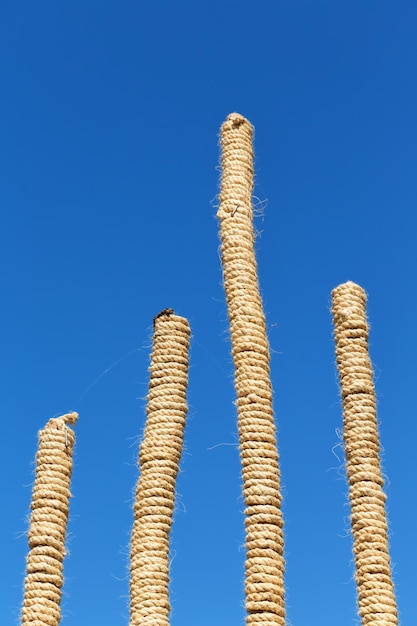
110	114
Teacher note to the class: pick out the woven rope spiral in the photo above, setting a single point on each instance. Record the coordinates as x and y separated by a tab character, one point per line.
159	457
48	523
376	599
264	585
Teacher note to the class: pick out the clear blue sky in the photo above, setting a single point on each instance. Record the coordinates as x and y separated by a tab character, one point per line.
110	113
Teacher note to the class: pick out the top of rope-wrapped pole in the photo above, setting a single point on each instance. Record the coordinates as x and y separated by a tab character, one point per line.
163	313
68	418
236	141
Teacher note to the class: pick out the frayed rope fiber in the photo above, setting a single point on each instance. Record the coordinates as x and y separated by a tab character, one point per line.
264	584
159	458
48	523
376	599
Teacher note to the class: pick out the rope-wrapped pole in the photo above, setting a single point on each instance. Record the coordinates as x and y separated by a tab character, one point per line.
48	523
159	458
264	584
376	599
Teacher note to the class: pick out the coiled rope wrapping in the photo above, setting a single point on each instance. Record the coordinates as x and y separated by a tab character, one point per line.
376	599
264	585
159	457
48	523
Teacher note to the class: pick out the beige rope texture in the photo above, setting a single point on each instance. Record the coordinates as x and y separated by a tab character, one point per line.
159	457
48	523
377	606
264	585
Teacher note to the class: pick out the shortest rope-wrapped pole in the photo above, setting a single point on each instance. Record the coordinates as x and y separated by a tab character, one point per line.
376	599
48	523
159	457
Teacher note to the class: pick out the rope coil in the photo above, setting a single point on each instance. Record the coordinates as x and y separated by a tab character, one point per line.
264	585
376	598
159	457
48	523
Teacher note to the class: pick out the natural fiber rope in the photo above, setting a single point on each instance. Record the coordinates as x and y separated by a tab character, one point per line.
159	458
264	585
376	599
48	523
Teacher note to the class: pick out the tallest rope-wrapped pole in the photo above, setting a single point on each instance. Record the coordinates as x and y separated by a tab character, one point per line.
264	585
